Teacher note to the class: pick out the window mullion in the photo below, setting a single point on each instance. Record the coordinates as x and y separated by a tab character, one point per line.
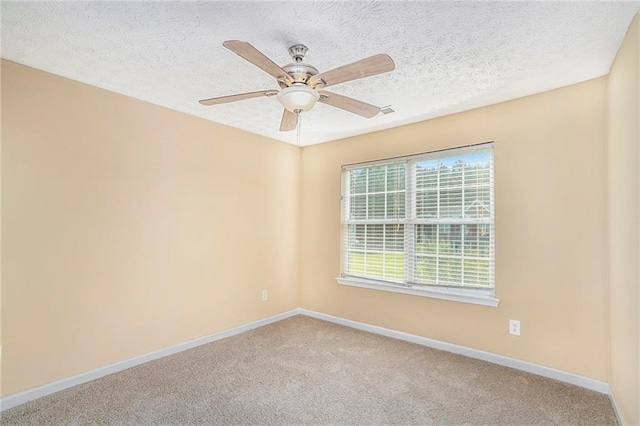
462	227
384	227
409	227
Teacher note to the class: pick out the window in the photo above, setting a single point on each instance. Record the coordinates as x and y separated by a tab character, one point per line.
423	223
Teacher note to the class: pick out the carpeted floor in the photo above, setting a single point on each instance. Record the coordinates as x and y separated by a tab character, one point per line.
305	371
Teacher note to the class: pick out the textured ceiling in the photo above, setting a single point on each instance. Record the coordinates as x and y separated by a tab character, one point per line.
450	56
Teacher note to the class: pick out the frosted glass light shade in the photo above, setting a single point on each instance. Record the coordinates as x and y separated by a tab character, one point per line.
298	97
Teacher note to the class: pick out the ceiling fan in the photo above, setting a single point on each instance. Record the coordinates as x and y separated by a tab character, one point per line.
302	84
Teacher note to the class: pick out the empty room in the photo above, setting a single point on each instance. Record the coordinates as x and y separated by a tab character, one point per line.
320	212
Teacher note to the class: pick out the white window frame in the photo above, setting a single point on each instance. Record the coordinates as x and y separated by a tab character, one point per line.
480	296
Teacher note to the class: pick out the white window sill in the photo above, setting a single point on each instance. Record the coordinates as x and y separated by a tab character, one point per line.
453	294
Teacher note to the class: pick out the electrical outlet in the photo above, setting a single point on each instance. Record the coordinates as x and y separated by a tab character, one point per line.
265	295
514	327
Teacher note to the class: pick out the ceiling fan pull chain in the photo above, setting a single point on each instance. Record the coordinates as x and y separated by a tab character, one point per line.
299	127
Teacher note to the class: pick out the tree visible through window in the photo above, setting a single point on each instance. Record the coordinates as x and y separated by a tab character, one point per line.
423	220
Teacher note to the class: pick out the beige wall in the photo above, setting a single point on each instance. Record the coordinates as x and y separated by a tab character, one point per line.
551	245
129	227
624	230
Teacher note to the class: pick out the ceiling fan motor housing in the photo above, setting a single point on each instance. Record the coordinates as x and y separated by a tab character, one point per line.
299	72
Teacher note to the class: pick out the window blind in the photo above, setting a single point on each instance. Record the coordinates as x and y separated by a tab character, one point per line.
422	220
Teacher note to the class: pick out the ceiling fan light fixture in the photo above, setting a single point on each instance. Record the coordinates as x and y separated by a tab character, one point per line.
298	97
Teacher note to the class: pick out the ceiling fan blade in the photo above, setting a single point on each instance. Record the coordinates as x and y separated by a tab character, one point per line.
348	104
257	58
238	97
367	67
289	121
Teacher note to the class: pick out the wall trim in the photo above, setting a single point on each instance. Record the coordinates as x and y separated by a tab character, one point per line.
540	370
19	398
616	409
16	399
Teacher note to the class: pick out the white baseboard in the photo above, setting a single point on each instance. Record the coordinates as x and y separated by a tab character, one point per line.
574	379
540	370
615	409
35	393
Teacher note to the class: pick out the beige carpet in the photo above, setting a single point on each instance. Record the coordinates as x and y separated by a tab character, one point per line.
305	371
